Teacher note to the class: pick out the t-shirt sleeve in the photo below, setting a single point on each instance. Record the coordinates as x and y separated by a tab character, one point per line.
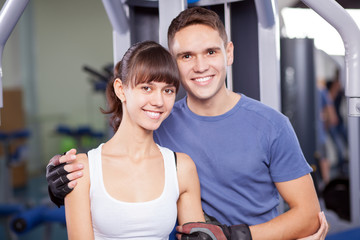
287	162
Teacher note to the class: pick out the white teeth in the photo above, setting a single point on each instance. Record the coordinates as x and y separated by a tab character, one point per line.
202	79
153	114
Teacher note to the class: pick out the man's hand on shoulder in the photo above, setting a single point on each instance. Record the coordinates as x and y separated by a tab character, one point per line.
61	175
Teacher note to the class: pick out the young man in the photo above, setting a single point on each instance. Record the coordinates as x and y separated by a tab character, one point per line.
245	152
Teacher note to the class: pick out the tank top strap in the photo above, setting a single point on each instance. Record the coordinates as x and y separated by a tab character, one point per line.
170	170
95	167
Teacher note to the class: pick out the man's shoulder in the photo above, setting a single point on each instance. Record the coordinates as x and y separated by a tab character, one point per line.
257	109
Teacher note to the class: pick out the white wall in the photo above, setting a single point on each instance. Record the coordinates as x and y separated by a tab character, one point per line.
45	55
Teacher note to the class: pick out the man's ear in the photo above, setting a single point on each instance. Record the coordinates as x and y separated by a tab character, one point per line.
229	53
119	89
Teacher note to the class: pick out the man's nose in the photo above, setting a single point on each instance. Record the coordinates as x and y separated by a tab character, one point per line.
201	64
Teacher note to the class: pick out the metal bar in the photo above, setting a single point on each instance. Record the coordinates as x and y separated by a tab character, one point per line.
210	2
168	10
354	168
341	20
117	15
120	25
9	16
334	14
227	14
269	53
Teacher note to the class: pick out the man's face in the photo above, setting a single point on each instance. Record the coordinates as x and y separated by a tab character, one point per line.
202	60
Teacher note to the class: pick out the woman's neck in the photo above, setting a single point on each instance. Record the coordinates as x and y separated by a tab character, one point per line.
132	141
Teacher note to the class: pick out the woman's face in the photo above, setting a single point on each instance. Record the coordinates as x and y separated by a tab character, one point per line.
148	104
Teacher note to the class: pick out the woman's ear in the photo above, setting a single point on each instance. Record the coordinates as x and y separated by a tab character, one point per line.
119	89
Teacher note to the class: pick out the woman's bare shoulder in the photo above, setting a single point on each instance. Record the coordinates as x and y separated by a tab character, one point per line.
184	163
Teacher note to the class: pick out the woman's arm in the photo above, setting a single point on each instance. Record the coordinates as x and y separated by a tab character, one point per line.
189	203
77	206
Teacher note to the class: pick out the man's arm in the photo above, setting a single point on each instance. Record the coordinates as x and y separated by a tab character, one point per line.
62	174
323	230
300	220
214	230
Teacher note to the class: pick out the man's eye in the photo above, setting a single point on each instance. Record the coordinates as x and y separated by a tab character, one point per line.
211	52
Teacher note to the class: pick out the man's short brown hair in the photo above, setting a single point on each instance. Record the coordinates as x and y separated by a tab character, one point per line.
196	15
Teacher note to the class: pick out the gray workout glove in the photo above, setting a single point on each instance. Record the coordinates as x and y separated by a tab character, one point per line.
213	230
57	181
209	231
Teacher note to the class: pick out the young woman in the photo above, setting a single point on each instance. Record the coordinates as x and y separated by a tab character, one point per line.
132	187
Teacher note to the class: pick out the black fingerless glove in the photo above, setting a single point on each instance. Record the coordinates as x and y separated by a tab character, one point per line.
57	182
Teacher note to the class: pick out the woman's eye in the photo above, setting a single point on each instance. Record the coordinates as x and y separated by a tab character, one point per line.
146	88
187	56
169	91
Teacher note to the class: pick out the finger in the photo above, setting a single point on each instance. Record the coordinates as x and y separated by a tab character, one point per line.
73	167
72	184
321	233
324	221
74	175
54	161
71	152
68	157
179	228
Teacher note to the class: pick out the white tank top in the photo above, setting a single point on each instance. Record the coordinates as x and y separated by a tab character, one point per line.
114	219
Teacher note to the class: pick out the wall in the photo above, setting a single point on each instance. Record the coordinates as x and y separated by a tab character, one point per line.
44	56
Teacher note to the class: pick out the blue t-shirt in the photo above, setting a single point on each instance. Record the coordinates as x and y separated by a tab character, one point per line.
239	155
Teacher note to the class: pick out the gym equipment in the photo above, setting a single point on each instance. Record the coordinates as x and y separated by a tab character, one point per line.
11	150
29	219
99	80
337	197
334	14
298	91
82	138
7	140
9	16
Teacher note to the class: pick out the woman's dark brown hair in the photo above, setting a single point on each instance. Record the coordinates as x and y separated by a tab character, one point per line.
143	62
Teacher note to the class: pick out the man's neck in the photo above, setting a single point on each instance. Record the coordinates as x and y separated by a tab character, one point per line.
215	106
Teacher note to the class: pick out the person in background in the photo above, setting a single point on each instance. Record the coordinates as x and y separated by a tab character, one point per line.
338	132
327	120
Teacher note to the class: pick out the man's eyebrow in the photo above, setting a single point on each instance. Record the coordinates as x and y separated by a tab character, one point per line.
213	48
183	53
